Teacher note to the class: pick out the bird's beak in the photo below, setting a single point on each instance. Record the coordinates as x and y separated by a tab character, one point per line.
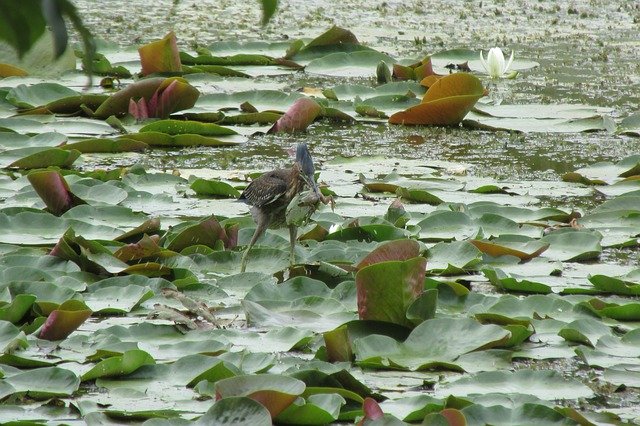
311	182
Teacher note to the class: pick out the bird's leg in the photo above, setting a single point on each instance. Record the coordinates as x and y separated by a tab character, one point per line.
257	233
293	232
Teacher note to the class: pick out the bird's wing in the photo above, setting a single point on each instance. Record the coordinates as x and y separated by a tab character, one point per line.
267	188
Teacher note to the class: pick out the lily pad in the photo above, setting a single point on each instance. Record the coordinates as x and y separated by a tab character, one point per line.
275	392
434	344
544	384
353	64
446	102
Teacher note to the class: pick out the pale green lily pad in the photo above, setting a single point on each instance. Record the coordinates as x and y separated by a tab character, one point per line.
116	299
44	383
527	413
265	100
39	94
544	384
572	245
443	225
515	284
354	64
511	310
435	343
586	331
244	409
452	258
630	125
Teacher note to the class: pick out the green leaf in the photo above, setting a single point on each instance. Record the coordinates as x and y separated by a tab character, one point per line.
244	410
44	383
17	308
314	410
545	384
176	127
275	392
121	365
11	338
453	258
23	96
64	320
572	245
504	281
527	413
354	64
387	289
436	343
214	188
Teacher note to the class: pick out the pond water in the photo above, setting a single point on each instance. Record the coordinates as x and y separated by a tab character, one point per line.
537	281
587	53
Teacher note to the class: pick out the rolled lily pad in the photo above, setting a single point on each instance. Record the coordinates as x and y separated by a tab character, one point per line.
298	117
618	311
274	392
387	289
54	191
434	344
334	35
418	196
161	55
181	96
399	250
446	102
64	320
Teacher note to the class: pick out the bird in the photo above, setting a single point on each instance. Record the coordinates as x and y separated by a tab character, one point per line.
269	195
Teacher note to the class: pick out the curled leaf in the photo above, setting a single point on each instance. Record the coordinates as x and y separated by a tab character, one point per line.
298	117
161	55
446	102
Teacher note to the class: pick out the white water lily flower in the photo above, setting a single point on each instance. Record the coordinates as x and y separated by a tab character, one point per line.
494	64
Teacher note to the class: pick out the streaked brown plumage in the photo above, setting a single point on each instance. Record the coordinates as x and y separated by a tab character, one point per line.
269	195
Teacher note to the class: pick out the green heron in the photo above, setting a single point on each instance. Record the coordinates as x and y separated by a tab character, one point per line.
269	195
